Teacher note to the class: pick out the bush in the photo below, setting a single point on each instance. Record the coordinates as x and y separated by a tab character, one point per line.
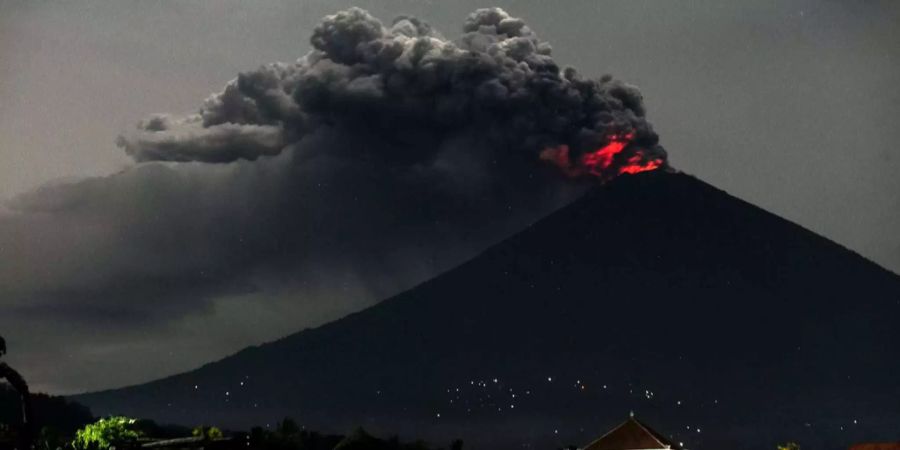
206	432
105	433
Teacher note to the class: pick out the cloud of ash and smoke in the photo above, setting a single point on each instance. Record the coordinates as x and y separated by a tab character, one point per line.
410	87
382	157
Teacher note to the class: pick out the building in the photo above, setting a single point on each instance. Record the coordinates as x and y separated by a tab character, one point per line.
632	435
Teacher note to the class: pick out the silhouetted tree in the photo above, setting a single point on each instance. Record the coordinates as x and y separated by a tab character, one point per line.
50	439
288	427
147	427
359	439
18	383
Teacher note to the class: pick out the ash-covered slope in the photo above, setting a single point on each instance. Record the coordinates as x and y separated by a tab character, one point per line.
717	322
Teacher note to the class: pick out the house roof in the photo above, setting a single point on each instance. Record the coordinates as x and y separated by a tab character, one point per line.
632	435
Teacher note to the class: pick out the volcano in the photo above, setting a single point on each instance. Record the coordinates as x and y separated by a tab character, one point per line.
718	322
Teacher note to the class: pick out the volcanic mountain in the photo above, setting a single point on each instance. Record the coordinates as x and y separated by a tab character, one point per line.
719	323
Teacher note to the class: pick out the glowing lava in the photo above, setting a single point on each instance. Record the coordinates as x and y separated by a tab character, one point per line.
603	162
598	161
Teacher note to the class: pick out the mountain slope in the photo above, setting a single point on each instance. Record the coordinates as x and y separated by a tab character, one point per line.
719	323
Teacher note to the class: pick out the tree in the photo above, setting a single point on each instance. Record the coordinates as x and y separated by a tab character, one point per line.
288	427
21	387
49	439
789	446
209	433
105	433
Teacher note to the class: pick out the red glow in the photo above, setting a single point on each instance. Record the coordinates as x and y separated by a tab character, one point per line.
559	156
598	161
635	165
602	162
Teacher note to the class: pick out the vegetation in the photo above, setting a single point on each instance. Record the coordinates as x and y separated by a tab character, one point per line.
48	411
289	436
124	432
789	446
105	433
21	387
205	432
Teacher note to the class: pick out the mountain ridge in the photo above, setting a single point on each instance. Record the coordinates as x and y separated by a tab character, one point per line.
667	244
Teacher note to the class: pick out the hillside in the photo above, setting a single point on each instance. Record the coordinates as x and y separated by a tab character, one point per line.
717	322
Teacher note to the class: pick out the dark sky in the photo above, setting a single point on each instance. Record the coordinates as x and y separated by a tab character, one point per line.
791	105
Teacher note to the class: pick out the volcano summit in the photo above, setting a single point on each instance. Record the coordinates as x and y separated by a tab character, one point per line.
655	293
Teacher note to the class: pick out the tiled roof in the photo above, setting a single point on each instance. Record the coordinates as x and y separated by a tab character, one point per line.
632	435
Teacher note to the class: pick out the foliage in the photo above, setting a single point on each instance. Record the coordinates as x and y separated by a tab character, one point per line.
289	436
789	446
207	432
288	427
149	428
58	413
101	435
49	439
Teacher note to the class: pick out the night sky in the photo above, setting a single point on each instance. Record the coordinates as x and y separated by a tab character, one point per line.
105	261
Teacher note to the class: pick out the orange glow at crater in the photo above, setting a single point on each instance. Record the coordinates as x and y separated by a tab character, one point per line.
601	162
598	161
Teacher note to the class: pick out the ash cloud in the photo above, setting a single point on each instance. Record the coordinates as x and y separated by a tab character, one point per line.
405	83
384	156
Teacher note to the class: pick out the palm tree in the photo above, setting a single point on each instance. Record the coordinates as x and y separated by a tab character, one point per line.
21	387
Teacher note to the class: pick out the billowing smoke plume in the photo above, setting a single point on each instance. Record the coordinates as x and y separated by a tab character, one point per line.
305	190
407	84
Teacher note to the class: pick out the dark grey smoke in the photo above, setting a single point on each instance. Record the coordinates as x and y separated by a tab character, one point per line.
382	157
407	85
